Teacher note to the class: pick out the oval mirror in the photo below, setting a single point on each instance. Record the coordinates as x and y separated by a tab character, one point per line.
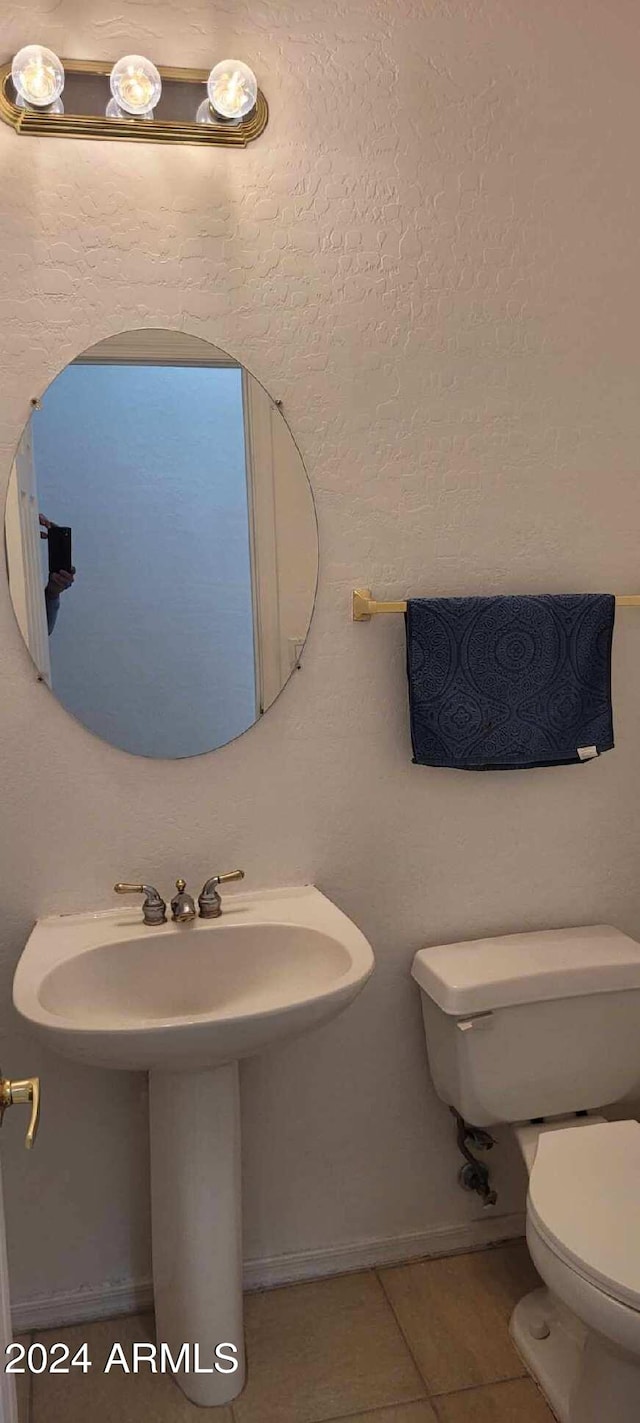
161	544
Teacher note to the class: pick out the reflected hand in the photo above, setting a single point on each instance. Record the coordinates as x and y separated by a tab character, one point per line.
46	524
59	582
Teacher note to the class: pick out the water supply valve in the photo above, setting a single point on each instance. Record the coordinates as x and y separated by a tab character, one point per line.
474	1175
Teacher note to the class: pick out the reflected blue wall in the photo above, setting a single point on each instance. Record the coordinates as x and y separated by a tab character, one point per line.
153	647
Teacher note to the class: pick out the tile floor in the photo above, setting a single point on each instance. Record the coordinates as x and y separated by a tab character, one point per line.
420	1343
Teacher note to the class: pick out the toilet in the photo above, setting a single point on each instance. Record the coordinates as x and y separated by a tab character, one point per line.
541	1030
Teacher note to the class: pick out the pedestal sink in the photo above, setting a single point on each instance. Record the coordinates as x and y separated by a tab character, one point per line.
185	1003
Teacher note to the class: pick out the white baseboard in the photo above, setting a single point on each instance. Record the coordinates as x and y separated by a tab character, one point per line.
394	1250
133	1296
80	1306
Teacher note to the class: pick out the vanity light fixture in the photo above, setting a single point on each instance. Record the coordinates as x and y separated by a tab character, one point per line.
146	104
136	85
38	78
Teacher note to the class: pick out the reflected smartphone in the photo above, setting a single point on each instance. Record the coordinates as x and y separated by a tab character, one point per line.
59	544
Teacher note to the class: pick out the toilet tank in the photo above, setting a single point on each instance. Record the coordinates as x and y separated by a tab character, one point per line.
532	1025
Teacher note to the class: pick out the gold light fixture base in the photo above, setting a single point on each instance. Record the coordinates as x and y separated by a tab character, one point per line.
84	87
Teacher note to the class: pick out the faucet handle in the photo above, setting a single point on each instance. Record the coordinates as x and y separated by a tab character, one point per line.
209	901
154	909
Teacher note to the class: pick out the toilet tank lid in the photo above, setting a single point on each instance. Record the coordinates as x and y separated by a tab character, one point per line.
482	974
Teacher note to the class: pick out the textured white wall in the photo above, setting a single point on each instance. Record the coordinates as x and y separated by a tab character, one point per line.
431	257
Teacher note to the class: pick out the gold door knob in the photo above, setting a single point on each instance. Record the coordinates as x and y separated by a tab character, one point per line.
26	1091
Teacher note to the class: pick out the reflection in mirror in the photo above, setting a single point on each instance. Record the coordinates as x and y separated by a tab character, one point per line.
161	544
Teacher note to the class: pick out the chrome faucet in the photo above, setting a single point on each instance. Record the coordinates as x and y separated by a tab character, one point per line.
209	901
183	909
154	909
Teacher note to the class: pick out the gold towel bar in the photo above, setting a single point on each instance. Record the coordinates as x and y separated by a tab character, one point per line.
365	607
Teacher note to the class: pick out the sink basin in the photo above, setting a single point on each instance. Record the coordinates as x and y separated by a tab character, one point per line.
185	1002
107	989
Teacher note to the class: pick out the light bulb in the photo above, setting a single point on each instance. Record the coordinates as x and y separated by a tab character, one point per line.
136	85
232	88
38	76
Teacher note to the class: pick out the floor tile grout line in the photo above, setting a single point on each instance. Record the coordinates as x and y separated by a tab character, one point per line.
480	1387
473	1387
377	1408
389	1403
395	1315
443	1393
376	1272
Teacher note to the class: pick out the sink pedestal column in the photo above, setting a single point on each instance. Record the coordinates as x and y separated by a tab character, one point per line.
196	1226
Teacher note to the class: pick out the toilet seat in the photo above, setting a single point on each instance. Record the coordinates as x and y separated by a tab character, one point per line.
584	1202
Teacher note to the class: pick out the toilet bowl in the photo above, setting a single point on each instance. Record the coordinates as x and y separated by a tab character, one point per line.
581	1335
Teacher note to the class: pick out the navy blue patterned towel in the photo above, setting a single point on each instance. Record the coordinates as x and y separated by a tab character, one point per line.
505	683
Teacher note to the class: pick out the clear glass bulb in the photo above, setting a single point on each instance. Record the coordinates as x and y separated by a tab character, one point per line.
205	114
113	111
232	88
135	84
38	76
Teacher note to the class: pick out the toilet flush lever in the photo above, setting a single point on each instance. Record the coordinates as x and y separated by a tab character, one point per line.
25	1091
479	1020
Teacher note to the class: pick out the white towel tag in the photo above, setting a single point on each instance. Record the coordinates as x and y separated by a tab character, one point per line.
587	753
